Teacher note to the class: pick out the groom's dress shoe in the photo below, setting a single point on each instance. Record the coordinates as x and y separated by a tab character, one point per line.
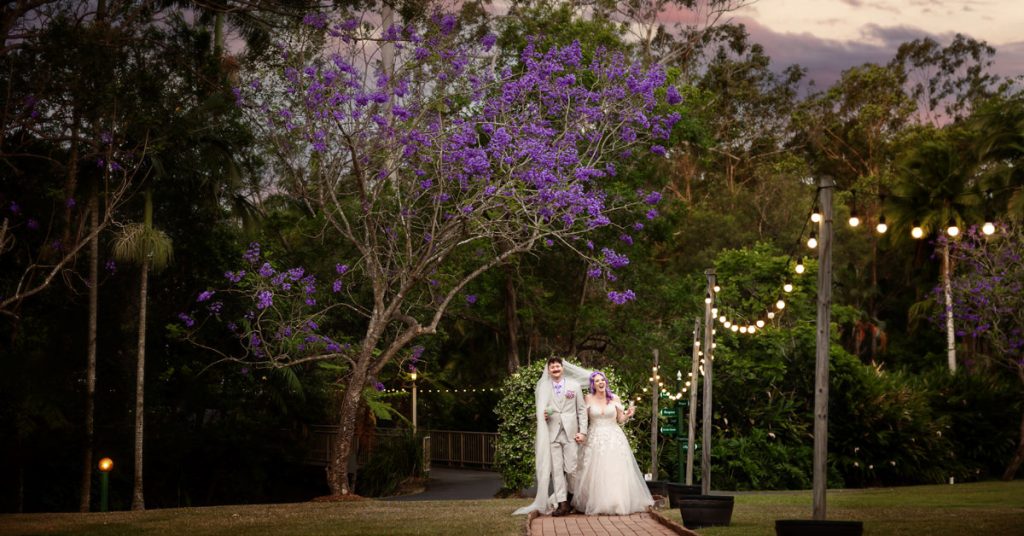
563	509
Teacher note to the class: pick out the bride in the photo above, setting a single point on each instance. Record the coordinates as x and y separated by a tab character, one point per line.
608	479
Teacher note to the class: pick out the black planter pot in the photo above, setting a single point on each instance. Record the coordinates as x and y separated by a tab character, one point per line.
814	527
676	491
705	510
657	487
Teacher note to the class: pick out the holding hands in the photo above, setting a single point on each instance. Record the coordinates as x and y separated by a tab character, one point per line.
580	438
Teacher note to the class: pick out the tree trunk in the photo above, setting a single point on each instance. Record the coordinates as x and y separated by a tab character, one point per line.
337	470
138	502
1018	457
85	491
512	321
948	291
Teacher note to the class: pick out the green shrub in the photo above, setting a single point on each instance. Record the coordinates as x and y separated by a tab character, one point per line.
393	461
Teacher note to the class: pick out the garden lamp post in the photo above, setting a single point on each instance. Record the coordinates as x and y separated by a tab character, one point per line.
413	375
106	464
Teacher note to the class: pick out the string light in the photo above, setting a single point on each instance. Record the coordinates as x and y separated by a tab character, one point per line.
812	242
881	227
952	230
815	215
770	315
717	288
799	268
780	305
760	323
735	328
917	232
988	228
788	287
707	299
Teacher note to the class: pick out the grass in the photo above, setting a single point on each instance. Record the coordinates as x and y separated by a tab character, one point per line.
995	508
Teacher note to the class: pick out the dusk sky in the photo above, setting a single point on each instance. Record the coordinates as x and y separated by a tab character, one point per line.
829	36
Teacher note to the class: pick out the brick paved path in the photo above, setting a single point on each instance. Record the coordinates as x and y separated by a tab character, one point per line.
641	524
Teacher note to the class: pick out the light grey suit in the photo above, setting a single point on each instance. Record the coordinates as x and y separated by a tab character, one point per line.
569	416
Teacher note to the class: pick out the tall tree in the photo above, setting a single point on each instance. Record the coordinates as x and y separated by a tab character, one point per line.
150	249
429	178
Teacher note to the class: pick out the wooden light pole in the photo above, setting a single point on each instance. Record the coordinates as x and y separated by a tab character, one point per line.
705	454
691	427
820	464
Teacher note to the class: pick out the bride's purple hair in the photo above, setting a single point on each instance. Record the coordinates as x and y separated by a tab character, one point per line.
607	388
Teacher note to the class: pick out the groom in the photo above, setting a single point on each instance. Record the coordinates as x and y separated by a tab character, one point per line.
566	417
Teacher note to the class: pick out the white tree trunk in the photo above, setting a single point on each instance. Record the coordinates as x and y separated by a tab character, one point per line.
138	502
948	292
85	491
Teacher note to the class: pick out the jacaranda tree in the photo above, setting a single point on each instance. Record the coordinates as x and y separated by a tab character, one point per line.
988	302
423	166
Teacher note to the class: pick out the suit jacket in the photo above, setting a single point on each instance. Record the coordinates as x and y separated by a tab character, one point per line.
570	412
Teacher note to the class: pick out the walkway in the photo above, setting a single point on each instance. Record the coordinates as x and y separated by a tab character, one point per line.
448	484
643	524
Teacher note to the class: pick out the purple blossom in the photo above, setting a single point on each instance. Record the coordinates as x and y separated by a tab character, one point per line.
626	238
652	198
265	299
651	214
187	320
341	268
613	259
672	95
337	286
32	224
378	386
234	277
621	297
110	266
266	270
204	295
252	255
471	299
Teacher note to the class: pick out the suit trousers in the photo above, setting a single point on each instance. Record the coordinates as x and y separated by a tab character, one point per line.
563	465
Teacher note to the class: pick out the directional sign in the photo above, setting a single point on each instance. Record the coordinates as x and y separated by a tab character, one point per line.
668	430
667	412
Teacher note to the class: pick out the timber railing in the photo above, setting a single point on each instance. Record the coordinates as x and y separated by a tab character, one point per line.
446	447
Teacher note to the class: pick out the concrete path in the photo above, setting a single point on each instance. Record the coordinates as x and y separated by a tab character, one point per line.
447	484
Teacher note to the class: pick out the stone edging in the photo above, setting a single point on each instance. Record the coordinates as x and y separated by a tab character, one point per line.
671	525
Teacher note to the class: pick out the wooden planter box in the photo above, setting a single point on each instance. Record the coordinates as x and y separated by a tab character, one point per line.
676	491
706	510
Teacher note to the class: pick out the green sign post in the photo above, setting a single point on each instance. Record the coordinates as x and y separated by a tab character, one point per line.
674	429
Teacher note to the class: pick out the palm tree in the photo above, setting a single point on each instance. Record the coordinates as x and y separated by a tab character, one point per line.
936	190
149	248
999	127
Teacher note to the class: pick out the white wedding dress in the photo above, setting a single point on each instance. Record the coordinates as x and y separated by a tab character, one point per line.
608	480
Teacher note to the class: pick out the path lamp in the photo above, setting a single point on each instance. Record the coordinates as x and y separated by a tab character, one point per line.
106	464
412	376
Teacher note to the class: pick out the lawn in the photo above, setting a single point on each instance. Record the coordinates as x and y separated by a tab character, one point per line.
995	508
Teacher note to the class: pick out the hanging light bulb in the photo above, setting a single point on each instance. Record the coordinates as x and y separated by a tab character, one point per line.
707	299
799	266
771	315
743	329
854	219
717	289
916	231
727	323
714	312
815	214
812	242
760	323
952	230
735	328
788	287
722	319
750	329
988	228
780	304
881	227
